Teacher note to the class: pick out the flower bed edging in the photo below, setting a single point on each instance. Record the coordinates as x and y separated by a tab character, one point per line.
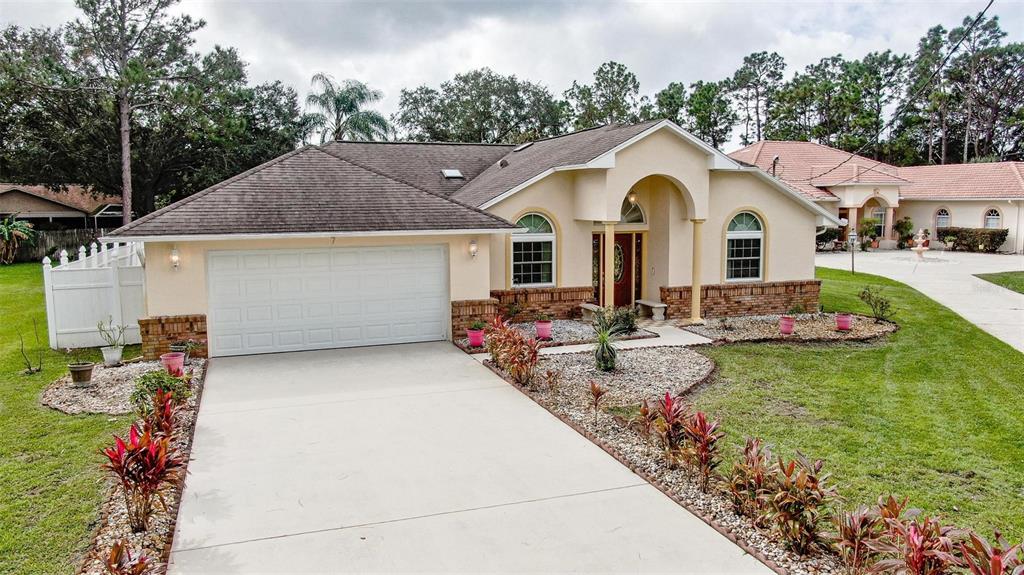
475	350
889	328
612	451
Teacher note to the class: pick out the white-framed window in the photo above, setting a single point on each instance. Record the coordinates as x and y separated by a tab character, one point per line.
533	253
744	248
942	218
631	213
993	219
878	213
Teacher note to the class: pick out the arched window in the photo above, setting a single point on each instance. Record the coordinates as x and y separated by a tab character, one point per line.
744	239
630	213
942	218
533	253
993	219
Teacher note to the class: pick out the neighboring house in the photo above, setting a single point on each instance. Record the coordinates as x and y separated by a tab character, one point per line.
73	208
360	243
985	195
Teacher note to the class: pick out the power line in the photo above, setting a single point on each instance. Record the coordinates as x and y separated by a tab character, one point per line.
900	111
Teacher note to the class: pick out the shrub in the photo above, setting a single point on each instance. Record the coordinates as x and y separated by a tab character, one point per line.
701	449
120	561
645	420
904	228
672	414
855	531
477	325
148	384
829	235
607	329
622	318
163	413
881	307
553	379
596	393
801	494
868	231
512	352
916	548
750	482
145	466
891	508
973	239
984	559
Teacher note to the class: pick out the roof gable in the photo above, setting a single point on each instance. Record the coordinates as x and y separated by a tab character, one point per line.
71	196
997	180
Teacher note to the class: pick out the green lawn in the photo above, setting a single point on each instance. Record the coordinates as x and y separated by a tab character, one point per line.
934	414
50	483
1009	280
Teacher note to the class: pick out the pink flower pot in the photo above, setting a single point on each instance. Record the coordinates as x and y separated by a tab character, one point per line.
844	321
174	363
543	329
786	324
476	337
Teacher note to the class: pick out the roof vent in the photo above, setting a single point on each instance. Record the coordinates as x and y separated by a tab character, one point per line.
522	147
502	163
451	174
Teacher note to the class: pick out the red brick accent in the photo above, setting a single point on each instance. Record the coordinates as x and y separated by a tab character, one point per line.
559	303
158	333
465	312
729	300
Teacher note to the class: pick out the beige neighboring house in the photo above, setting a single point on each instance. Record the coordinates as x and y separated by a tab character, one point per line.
74	207
985	195
360	243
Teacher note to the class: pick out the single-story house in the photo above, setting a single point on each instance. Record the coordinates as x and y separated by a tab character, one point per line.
982	195
74	207
365	243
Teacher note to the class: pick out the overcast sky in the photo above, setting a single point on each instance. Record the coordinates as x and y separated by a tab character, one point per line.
392	45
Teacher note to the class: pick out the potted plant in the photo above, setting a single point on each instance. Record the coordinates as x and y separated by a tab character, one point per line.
867	230
475	333
81	370
788	320
174	363
926	235
186	346
543	326
113	335
844	321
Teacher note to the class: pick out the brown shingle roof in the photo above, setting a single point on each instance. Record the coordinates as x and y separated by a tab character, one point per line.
310	191
73	196
998	180
568	150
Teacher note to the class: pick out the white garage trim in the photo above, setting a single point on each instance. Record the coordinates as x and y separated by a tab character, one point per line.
276	300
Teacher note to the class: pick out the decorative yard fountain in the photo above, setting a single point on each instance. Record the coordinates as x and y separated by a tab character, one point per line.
919	247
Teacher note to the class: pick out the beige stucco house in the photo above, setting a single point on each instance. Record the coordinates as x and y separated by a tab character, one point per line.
983	195
361	243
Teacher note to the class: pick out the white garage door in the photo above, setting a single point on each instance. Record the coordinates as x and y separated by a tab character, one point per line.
264	301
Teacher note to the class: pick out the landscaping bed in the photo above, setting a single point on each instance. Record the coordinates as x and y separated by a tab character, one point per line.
809	327
107	392
563	332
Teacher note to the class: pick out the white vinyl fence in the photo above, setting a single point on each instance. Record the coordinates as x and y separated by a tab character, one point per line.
105	283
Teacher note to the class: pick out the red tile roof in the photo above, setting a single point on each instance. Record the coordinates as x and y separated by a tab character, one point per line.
997	180
74	196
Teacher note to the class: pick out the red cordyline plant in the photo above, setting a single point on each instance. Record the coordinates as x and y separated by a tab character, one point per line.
984	559
801	495
701	449
672	414
120	561
596	393
855	532
512	352
145	466
916	547
645	420
160	421
750	484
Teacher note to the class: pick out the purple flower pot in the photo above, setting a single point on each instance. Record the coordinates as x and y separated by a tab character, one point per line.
543	329
786	324
844	322
476	337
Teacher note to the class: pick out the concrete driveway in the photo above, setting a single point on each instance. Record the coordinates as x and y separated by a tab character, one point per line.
948	278
413	458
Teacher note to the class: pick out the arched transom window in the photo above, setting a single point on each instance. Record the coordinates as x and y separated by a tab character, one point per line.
630	213
942	218
533	252
744	248
993	219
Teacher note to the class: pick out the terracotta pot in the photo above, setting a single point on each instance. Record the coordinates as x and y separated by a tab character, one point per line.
844	321
174	363
543	329
476	337
786	324
81	373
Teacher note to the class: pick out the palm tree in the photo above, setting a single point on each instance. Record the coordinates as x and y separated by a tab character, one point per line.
12	232
338	110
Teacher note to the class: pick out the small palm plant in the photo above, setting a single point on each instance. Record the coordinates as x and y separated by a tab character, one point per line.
608	329
12	232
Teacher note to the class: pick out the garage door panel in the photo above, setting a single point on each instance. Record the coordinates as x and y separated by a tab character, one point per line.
286	300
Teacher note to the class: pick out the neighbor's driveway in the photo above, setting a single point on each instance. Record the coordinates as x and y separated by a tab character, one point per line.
413	458
948	278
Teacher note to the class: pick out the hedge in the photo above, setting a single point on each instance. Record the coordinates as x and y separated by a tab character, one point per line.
973	239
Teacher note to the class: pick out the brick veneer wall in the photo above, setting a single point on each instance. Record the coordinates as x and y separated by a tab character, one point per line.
559	303
729	300
465	312
158	333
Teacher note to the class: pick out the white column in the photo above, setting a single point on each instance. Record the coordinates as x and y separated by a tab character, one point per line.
890	214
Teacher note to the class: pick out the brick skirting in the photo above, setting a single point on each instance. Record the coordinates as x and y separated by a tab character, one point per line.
465	312
158	333
559	303
729	300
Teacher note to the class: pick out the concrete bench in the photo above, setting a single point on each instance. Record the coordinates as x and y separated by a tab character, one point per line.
588	310
656	308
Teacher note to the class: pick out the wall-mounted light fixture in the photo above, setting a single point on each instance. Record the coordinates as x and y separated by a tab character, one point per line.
631	197
472	248
175	258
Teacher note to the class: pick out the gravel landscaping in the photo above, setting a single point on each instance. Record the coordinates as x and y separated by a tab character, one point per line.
646	374
563	332
107	392
808	328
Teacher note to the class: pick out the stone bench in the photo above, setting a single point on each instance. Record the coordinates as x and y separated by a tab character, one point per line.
656	308
587	310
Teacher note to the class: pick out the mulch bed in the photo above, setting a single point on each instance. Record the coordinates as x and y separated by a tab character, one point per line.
811	327
113	524
678	370
563	332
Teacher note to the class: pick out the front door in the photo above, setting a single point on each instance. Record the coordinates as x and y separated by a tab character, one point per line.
623	273
625	276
